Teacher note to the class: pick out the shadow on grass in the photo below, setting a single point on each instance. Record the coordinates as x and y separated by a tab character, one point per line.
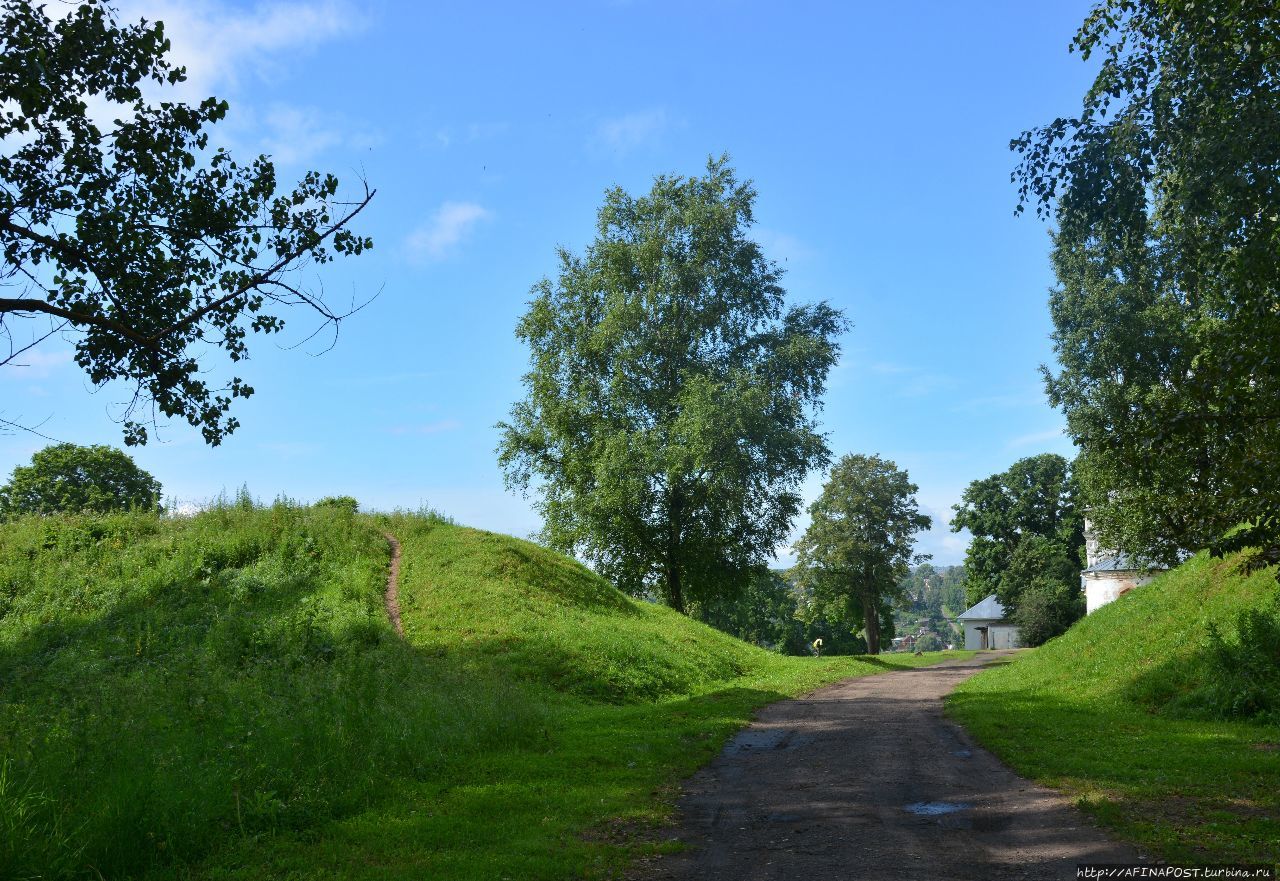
890	662
163	727
590	795
171	731
1231	682
1188	790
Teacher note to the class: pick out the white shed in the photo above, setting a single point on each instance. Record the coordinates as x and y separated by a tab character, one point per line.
986	627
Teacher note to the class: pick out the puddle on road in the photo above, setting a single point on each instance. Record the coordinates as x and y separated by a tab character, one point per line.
935	808
761	739
962	753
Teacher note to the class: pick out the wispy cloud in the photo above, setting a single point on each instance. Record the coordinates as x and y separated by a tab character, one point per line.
290	449
294	135
1033	396
905	380
430	428
945	547
622	134
452	223
390	378
1036	437
446	136
886	368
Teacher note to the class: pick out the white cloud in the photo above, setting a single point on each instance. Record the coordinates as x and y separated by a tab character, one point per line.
219	45
222	46
296	134
440	236
884	367
622	134
290	449
908	381
945	547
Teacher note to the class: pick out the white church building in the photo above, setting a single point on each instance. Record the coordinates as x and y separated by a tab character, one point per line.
1110	574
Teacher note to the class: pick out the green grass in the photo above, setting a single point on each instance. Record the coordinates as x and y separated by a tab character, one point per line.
222	697
1114	713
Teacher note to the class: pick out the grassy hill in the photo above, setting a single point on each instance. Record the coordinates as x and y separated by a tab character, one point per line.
223	697
1164	731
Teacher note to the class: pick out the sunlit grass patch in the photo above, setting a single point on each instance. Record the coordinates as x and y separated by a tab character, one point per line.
1110	713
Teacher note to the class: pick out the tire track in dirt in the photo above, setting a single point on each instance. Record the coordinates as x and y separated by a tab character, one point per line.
392	595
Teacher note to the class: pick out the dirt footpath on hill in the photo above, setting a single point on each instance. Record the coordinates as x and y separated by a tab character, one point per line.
865	779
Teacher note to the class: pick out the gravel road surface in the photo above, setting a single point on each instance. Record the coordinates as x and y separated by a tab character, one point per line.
865	779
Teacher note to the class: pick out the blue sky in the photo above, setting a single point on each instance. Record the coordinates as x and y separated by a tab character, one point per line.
876	134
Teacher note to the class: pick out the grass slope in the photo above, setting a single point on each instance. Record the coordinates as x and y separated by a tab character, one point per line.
222	697
1112	712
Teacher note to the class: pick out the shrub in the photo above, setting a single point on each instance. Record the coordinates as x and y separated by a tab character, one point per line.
342	503
1046	609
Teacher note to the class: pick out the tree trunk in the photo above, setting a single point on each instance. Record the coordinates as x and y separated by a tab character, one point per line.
675	591
871	623
671	567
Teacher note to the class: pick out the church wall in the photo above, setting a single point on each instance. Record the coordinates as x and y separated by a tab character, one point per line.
1101	588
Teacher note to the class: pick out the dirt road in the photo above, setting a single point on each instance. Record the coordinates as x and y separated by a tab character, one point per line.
865	779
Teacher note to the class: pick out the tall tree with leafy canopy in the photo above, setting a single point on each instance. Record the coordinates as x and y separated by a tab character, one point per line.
1166	193
858	548
71	479
134	238
1026	524
671	399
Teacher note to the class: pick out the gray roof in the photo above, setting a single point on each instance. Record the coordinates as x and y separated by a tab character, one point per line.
1121	563
987	610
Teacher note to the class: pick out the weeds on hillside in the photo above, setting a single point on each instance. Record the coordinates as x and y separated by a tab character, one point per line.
1243	669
